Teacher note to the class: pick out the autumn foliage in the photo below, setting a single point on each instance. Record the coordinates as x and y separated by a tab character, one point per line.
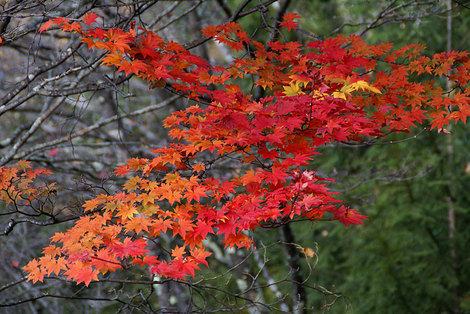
337	90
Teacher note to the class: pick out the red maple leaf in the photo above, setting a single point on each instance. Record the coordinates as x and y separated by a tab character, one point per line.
90	18
202	229
122	170
130	248
210	31
182	226
288	21
46	26
349	216
277	175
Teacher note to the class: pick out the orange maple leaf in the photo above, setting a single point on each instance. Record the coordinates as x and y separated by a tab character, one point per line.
200	255
195	193
137	224
46	26
81	272
104	261
34	272
115	58
127	211
178	252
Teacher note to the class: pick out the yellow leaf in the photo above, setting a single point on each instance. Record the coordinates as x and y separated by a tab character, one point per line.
132	184
293	89
359	85
339	95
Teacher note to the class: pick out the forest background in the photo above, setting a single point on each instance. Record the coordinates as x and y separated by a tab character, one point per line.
410	256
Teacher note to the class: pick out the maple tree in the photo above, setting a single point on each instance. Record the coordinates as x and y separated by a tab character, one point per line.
336	90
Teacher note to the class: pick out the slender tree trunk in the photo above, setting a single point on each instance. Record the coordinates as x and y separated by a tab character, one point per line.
450	166
299	296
